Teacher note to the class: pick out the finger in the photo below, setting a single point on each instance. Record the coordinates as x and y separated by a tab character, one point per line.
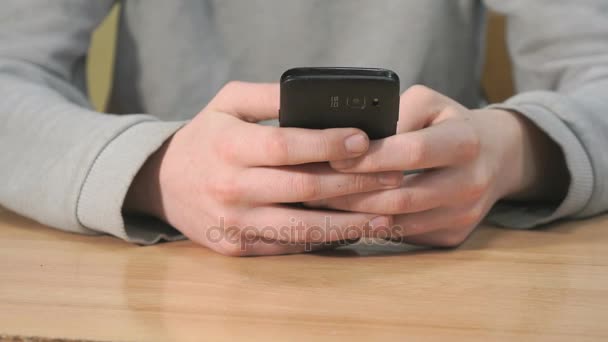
233	238
256	145
251	102
283	223
449	234
417	193
447	143
281	248
419	106
308	183
414	227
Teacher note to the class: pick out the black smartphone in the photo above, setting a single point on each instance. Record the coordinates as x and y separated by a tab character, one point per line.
320	98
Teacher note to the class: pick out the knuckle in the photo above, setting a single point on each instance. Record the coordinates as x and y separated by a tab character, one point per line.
466	220
453	111
230	87
470	218
415	151
360	183
232	223
275	144
225	150
226	93
402	203
478	213
306	187
478	187
323	145
452	239
421	92
476	191
371	162
232	240
347	203
233	249
225	190
473	147
470	146
412	228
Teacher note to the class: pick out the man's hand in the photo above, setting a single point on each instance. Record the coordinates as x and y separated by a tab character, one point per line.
471	158
223	180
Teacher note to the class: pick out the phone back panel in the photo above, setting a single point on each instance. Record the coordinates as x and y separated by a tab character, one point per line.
320	98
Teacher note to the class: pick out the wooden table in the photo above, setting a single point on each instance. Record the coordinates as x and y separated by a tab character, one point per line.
547	284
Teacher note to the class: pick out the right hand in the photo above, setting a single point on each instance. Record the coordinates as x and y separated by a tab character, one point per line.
225	170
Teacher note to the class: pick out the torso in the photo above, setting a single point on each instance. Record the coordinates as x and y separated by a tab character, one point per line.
173	56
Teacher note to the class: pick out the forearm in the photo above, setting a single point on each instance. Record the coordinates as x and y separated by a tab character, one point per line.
560	62
63	163
48	149
574	122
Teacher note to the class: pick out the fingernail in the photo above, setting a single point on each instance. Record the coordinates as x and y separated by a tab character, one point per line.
390	179
379	222
356	143
342	164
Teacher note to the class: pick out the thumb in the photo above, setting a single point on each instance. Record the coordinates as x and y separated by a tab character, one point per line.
251	102
419	107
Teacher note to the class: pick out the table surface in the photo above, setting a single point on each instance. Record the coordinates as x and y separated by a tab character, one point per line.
549	284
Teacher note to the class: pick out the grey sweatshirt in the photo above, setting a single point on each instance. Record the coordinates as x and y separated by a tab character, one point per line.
68	166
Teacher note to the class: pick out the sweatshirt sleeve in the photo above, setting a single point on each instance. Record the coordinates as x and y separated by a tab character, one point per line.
62	163
560	58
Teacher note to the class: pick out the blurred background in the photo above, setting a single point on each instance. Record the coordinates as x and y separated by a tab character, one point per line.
497	79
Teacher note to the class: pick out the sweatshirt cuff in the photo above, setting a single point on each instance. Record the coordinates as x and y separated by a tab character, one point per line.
542	109
105	187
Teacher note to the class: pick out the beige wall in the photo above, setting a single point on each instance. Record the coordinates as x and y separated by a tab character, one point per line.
99	64
497	78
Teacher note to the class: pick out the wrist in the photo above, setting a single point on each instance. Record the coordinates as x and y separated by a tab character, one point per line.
144	195
537	163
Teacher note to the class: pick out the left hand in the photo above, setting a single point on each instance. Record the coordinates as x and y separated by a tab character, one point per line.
472	158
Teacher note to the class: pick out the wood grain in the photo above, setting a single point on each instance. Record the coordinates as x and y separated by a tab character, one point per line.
549	284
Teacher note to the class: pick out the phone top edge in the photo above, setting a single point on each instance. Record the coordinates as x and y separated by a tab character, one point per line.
345	72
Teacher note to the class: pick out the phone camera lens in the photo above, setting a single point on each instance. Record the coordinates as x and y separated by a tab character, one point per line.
356	102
